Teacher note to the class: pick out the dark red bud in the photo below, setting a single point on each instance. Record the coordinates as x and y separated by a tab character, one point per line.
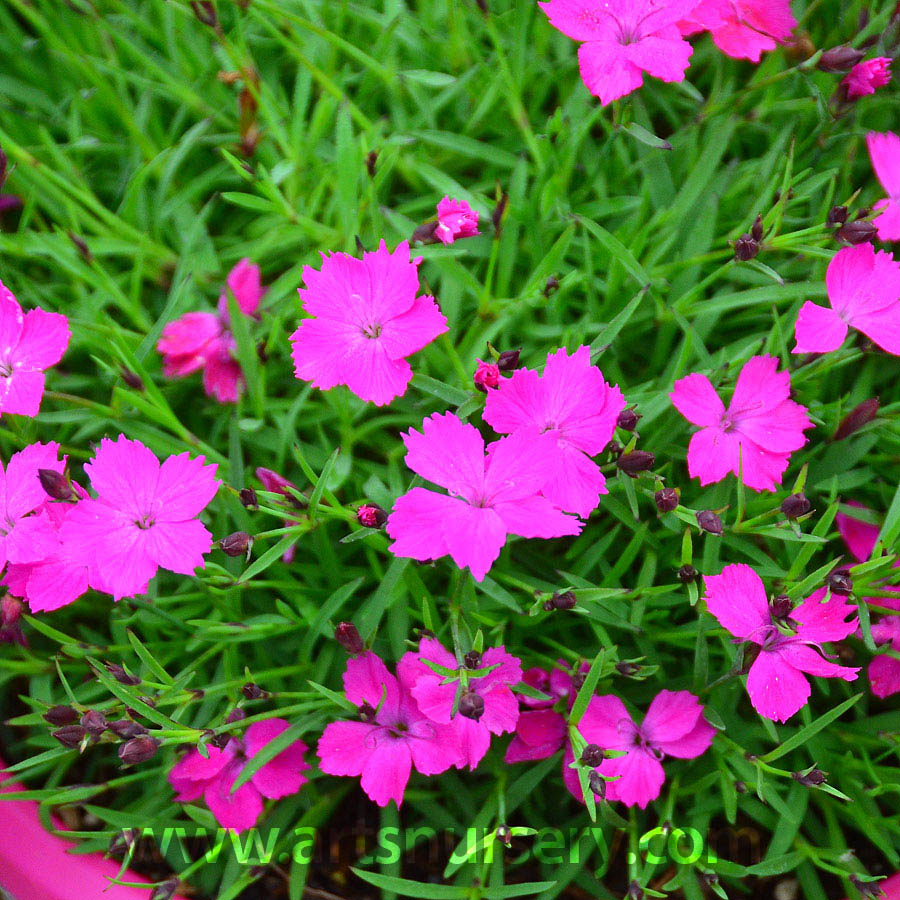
347	635
371	159
508	360
614	449
709	521
471	705
367	712
551	285
837	215
472	660
856	418
746	248
498	213
138	750
424	234
687	574
70	736
869	889
839	59
55	484
597	784
756	231
123	677
236	715
253	691
636	461
795	506
205	11
666	499
61	715
371	515
813	778
840	582
781	607
126	729
504	834
564	600
94	722
857	232
249	498
740	787
627	668
166	890
627	420
80	246
592	755
236	544
132	379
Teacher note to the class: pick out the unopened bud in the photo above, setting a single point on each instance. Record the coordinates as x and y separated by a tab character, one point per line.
551	285
248	498
70	736
627	668
870	889
367	712
472	660
347	635
504	834
667	499
236	544
840	582
205	11
709	521
857	232
781	607
138	750
95	722
487	375
856	418
636	461
756	230
60	715
508	360
839	59
592	755
126	729
132	379
471	705
812	778
564	600
498	213
635	891
236	715
371	515
166	890
123	677
371	159
55	484
740	787
795	506
123	842
627	420
424	234
837	215
11	609
597	784
252	691
687	574
746	247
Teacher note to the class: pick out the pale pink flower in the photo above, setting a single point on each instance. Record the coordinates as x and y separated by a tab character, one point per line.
884	151
490	496
213	777
456	219
393	737
743	29
571	402
203	340
30	343
863	292
673	726
622	40
867	76
776	683
755	435
278	484
435	695
487	375
366	319
144	516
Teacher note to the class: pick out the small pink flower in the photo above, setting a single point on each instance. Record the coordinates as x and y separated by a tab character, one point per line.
434	694
884	670
571	402
213	777
755	435
203	340
30	343
393	737
278	484
456	219
884	151
490	496
673	726
366	319
867	76
487	375
144	517
622	40
743	29
776	682
860	538
10	613
863	292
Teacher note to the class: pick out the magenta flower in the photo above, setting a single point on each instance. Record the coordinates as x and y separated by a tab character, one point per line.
366	319
30	343
622	40
487	375
867	76
884	151
743	29
572	402
673	726
144	517
490	496
755	435
393	737
203	340
864	292
860	538
456	219
884	670
493	709
776	682
212	778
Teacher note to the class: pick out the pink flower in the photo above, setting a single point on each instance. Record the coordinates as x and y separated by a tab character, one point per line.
867	76
456	219
213	777
776	682
10	614
393	736
884	151
490	496
673	726
571	402
860	538
144	517
366	320
30	343
755	435
487	375
203	340
622	40
278	484
884	670
492	710
743	29
864	291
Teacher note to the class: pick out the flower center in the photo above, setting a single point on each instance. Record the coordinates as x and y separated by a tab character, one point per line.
6	370
144	522
372	331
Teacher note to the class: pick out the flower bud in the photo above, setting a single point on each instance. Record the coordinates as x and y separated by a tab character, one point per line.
635	891
81	246
367	712
55	484
166	890
756	230
795	506
551	285
812	778
498	213
472	660
740	787
126	729
627	420
70	736
597	784
857	232
236	715
236	544
504	834
667	499
869	889
205	11
123	841
347	635
856	418
592	755
636	461
840	582
837	215
248	498
253	691
687	574
471	705
487	375
11	609
94	722
132	379
781	606
60	715
709	521
123	677
564	600
839	59
746	248
508	360
371	159
425	234
627	668
371	515
138	750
